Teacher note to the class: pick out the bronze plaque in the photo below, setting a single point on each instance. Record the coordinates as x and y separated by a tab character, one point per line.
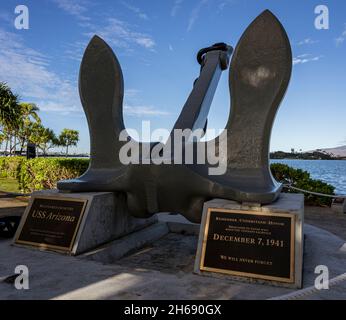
249	244
52	223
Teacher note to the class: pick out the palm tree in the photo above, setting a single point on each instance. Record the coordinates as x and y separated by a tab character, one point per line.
68	137
2	139
8	105
9	112
28	118
44	138
29	110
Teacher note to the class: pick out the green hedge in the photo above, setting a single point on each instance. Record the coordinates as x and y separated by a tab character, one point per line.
43	173
10	166
301	179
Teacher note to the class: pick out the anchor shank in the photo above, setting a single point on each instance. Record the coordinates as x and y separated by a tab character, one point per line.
195	111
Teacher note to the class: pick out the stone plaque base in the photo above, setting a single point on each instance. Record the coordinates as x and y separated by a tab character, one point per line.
74	223
251	242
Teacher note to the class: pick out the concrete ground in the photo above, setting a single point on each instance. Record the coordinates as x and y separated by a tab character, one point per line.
159	271
325	218
322	217
163	269
12	204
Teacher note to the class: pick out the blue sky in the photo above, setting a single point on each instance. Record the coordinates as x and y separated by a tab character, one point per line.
156	42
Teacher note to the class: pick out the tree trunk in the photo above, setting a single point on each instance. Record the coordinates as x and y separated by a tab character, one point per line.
6	146
15	144
10	145
22	145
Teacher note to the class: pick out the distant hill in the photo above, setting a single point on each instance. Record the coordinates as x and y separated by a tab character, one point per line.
318	154
310	155
338	152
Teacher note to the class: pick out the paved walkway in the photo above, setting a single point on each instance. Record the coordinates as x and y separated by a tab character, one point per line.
326	219
12	204
157	272
163	270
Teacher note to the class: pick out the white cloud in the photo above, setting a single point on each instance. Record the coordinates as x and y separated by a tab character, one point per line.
27	72
136	10
305	58
176	7
146	42
74	51
195	14
170	47
55	106
133	105
131	93
140	111
340	40
197	9
120	34
221	6
307	41
116	32
304	55
75	8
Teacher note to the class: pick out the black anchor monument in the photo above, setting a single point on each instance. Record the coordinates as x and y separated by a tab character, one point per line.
259	74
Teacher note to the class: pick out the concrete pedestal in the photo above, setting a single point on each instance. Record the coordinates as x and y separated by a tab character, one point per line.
105	218
289	205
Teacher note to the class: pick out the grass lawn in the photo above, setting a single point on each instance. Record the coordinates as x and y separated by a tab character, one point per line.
9	184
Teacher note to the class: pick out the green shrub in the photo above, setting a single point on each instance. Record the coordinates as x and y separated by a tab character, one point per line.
44	173
301	179
10	166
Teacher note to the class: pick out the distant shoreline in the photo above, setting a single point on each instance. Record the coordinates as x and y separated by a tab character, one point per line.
278	155
316	155
333	159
